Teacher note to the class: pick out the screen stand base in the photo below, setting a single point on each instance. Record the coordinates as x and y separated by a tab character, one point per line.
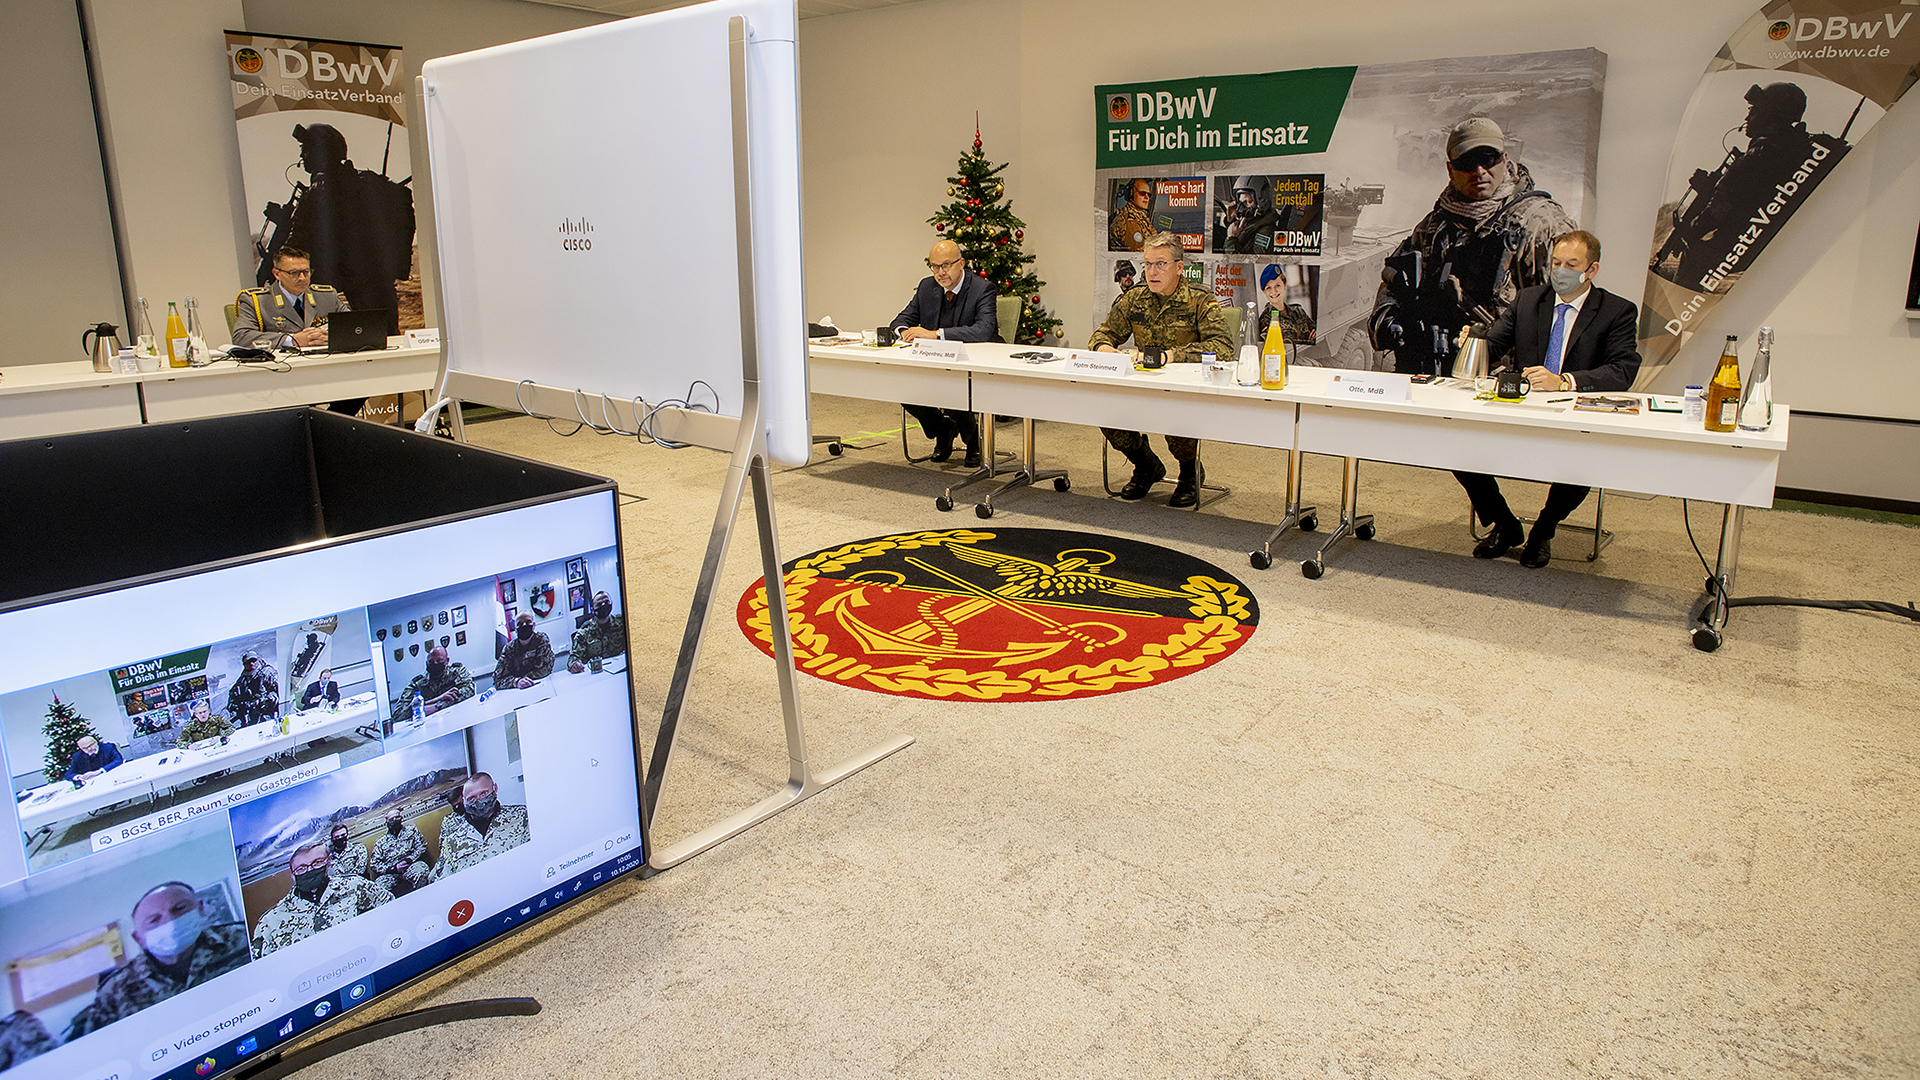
278	1065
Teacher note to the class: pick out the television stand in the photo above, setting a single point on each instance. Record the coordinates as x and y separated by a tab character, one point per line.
277	1065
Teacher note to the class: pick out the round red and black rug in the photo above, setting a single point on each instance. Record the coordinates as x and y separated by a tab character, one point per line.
1004	614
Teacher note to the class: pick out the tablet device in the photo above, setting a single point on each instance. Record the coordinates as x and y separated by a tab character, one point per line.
356	331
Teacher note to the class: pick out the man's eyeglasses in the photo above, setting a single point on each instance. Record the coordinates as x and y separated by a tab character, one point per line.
1161	265
1480	157
949	264
304	271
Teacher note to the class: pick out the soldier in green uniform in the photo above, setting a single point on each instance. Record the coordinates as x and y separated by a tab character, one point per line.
255	697
180	947
1181	318
22	1037
604	636
400	857
527	658
349	859
318	900
444	683
480	829
1132	223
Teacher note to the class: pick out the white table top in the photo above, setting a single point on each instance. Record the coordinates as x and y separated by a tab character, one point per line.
73	374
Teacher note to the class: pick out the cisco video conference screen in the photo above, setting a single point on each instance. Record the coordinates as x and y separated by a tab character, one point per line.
248	800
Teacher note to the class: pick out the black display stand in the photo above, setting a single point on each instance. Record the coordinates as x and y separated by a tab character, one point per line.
277	1065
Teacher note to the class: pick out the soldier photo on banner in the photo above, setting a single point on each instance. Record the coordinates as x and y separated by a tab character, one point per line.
1141	206
327	168
1328	173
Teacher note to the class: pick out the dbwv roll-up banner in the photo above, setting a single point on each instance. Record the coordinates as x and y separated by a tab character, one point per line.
325	163
1782	102
1296	190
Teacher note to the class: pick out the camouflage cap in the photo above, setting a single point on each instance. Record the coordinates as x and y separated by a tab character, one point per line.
1473	133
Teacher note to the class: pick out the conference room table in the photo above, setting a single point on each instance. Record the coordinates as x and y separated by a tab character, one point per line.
1329	411
65	397
145	776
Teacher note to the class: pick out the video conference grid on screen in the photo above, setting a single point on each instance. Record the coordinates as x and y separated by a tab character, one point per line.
224	841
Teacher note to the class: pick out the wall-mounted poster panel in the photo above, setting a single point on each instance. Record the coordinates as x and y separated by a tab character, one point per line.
1293	189
1796	87
323	153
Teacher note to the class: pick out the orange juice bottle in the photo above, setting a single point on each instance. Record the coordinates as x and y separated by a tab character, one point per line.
1723	393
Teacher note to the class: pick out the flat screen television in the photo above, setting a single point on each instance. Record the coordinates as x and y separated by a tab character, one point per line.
357	703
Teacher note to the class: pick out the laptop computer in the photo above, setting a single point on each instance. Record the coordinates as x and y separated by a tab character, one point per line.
356	331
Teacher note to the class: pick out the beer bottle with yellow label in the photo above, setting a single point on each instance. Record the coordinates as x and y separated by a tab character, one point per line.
1723	393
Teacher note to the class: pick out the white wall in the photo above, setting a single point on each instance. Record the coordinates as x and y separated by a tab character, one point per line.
894	90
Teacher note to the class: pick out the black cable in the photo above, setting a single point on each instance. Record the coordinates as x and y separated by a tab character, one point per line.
1685	516
1888	607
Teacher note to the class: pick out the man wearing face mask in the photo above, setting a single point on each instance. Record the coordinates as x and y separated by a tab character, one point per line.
604	636
180	947
348	857
318	901
444	683
527	659
323	689
481	829
1567	335
400	858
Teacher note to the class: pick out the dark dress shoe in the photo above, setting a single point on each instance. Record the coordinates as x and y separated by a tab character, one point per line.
1145	475
942	447
1187	492
972	460
1498	541
1538	551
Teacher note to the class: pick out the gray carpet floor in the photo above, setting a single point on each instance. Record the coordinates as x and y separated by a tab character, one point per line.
1440	817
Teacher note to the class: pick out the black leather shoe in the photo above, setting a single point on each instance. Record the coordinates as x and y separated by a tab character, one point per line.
1538	551
973	458
1498	541
942	447
1145	475
1187	492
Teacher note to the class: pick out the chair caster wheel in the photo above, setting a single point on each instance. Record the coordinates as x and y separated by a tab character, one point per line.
1312	569
834	449
1259	560
1363	532
982	510
1309	522
1061	483
942	503
1706	638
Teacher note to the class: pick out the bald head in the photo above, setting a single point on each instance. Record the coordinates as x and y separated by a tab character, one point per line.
948	264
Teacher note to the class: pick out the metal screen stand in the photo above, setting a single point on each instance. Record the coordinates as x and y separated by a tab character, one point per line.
749	462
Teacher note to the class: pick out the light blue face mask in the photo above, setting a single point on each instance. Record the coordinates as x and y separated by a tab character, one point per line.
1565	279
172	939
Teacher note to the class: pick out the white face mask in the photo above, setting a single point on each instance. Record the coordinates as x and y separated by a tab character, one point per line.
171	940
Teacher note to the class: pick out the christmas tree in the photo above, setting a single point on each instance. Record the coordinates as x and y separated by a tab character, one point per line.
990	236
64	730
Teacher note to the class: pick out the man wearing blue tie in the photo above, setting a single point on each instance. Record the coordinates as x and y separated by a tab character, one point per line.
1567	335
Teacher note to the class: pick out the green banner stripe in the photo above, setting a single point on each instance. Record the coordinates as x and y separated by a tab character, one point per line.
1218	117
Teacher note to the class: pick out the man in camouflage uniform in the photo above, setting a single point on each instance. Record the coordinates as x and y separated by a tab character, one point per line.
1489	235
255	697
1172	314
444	683
400	858
22	1037
480	829
527	658
318	900
179	948
349	858
1130	225
604	636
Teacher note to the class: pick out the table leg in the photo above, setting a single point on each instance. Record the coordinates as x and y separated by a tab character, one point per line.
1713	614
1351	520
1306	517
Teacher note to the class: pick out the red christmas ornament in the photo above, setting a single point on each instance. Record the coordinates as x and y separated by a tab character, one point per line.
1019	234
940	227
963	181
976	144
1036	301
999	239
969	219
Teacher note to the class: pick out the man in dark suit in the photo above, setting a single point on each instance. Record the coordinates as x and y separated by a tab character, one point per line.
321	689
1566	336
956	306
91	758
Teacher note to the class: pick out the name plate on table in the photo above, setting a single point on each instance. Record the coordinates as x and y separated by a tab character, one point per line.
927	348
1372	385
1099	363
420	338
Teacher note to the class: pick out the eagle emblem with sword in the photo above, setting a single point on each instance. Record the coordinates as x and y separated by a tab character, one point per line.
1008	615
